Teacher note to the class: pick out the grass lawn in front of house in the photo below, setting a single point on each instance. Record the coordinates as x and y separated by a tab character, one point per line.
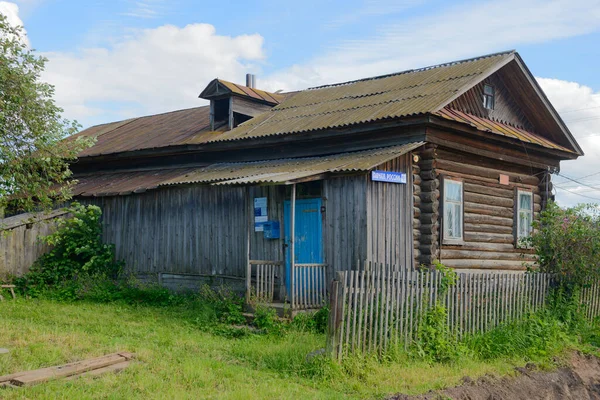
178	357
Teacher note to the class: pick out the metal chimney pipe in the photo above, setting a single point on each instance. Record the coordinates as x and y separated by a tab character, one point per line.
253	81
249	80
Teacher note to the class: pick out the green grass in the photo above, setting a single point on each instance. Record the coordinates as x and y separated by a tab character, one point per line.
178	357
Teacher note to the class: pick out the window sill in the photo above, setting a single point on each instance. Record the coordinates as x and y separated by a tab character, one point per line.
453	242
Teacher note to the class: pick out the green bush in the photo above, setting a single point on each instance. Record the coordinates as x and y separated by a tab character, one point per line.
567	243
77	254
312	322
537	335
434	341
265	319
228	305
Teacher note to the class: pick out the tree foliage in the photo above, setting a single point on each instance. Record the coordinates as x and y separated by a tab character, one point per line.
34	159
567	243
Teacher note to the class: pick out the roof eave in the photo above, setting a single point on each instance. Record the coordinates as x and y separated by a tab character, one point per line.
440	122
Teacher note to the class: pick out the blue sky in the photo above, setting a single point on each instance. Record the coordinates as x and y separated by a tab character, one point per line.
116	59
293	32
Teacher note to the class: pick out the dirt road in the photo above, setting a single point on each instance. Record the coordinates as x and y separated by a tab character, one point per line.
579	381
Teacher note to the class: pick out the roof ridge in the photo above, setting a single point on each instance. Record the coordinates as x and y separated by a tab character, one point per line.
239	85
408	71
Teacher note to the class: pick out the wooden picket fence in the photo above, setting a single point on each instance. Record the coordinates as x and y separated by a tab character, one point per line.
260	279
378	305
309	286
590	300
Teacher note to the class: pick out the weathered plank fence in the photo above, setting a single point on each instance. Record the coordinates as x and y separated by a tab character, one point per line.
310	288
260	279
380	305
19	240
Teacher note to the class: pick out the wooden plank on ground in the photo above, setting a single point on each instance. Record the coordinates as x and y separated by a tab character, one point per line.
27	378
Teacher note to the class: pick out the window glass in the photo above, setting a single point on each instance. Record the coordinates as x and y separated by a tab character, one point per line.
453	191
453	210
524	214
489	97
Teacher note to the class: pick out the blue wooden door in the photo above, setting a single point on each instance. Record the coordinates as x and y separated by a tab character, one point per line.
308	247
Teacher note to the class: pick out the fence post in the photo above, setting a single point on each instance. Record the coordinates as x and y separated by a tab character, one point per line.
335	316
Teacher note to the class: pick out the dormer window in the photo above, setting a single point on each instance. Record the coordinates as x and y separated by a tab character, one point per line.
232	104
489	96
220	112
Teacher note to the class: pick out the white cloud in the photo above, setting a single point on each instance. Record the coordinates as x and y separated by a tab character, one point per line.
154	70
371	8
11	12
145	9
579	107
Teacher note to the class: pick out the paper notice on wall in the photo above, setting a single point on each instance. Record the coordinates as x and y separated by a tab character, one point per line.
260	213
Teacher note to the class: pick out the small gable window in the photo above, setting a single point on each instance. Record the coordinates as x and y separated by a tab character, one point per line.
489	94
524	215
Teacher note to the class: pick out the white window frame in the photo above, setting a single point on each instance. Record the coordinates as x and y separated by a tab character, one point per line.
518	210
460	205
489	99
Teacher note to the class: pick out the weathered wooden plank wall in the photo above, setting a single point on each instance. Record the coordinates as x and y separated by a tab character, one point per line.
190	230
345	228
20	246
505	107
261	248
390	216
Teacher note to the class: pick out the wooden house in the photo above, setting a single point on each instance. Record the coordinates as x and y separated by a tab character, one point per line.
273	193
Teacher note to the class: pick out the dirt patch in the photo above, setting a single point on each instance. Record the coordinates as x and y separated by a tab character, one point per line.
581	381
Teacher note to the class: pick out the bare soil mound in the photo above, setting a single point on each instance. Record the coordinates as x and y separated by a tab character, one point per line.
580	381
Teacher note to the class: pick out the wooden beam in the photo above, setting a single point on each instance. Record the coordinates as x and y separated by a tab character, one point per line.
250	223
292	246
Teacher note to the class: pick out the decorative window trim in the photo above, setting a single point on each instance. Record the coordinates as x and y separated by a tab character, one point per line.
459	241
489	99
517	210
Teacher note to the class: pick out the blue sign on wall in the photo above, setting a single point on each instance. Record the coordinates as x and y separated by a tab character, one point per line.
388	176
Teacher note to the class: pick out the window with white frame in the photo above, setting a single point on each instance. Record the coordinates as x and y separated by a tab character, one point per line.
453	210
524	216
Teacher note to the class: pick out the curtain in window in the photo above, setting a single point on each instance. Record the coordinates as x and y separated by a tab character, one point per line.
453	191
453	210
453	220
525	214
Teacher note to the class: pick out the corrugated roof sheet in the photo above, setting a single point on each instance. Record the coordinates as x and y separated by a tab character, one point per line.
407	93
284	170
268	171
498	128
122	183
190	126
274	98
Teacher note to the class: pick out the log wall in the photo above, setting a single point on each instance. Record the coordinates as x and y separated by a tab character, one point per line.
489	215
